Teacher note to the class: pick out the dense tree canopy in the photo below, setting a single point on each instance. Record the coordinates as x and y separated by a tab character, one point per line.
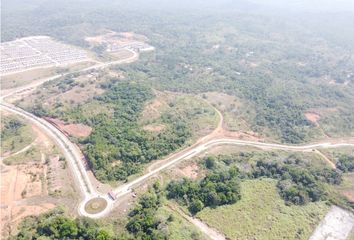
217	188
120	138
58	225
345	163
297	184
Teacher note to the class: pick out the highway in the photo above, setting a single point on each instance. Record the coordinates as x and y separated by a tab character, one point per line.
74	156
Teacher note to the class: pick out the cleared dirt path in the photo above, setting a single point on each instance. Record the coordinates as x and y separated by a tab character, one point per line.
20	151
330	163
208	231
337	225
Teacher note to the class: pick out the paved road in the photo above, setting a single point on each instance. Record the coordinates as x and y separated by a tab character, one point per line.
8	92
121	190
74	156
71	152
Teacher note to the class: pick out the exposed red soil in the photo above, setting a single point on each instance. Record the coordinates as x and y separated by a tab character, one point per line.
190	171
312	117
75	130
349	195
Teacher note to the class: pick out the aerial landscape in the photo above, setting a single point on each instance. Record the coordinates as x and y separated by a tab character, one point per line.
166	119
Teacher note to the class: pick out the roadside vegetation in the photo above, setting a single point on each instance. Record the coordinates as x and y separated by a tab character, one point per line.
280	196
121	138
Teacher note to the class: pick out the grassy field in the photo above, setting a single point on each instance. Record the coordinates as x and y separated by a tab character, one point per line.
33	154
15	140
261	214
23	78
200	116
26	77
244	156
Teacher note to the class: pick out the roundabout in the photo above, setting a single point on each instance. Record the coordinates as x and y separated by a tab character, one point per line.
95	206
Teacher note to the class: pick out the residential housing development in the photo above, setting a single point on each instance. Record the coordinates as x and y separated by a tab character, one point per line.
35	52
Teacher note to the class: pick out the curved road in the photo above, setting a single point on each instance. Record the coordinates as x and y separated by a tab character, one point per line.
74	156
6	93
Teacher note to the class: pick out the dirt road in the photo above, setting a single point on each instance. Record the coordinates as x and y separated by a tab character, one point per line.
208	231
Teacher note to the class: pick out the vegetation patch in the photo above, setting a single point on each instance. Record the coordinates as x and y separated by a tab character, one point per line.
149	219
216	189
122	138
198	114
32	154
57	224
345	163
298	185
15	134
122	128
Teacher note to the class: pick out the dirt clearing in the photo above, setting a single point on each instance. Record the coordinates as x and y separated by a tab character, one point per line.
337	225
190	171
76	130
312	117
154	128
33	184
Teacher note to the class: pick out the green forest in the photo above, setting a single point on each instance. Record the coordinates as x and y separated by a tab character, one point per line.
280	68
279	64
216	189
120	138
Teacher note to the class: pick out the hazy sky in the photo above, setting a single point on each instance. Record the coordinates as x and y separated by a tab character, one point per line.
313	5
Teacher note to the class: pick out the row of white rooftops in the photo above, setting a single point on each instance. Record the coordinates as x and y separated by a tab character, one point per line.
37	51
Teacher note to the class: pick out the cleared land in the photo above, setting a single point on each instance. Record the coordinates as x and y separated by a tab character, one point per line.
114	42
262	214
33	178
16	80
337	225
